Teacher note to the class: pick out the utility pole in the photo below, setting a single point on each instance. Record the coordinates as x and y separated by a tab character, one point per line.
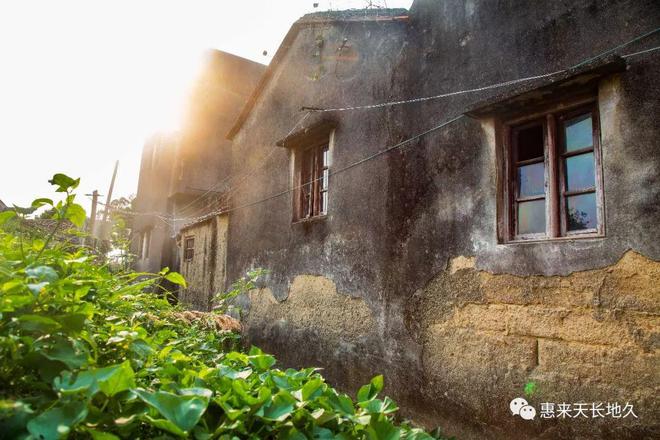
109	198
92	218
104	223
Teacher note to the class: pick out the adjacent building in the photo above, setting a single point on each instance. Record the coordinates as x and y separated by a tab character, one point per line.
180	172
500	231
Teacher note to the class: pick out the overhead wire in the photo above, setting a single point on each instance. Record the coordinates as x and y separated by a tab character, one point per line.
310	110
481	89
195	212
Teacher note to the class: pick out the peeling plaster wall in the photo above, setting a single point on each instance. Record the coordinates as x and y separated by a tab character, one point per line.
458	322
590	336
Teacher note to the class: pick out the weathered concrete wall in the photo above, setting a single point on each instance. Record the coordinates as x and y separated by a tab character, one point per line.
205	272
323	321
459	322
181	181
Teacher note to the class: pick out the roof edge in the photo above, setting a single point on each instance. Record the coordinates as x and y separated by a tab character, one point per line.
306	20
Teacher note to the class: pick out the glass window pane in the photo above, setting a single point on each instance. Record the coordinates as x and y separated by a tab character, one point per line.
579	133
530	143
582	212
580	172
531	217
326	158
324	202
324	182
531	180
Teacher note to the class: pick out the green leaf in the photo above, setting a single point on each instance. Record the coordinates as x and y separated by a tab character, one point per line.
342	404
312	389
319	433
63	182
176	278
6	215
115	379
383	430
279	409
377	382
37	203
14	417
73	321
377	406
109	380
36	323
76	214
166	425
98	435
9	303
56	422
371	390
183	411
64	350
259	360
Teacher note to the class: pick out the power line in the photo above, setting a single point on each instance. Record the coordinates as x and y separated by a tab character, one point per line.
400	144
332	173
183	210
480	89
640	52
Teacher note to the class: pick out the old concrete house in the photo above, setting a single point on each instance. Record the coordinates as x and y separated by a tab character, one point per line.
179	172
500	233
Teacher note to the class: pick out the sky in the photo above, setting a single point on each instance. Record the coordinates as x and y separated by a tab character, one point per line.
84	83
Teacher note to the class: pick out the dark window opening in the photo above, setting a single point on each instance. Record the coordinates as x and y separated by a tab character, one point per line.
554	185
188	248
529	166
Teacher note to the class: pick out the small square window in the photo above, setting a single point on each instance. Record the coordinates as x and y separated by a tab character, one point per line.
188	248
553	184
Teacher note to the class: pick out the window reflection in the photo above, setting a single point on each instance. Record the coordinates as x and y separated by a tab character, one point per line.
531	217
531	180
579	133
582	212
580	172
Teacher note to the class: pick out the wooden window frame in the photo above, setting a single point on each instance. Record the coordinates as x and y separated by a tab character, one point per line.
188	250
317	185
551	119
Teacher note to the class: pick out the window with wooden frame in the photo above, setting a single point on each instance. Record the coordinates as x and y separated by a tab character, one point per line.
553	176
311	181
188	248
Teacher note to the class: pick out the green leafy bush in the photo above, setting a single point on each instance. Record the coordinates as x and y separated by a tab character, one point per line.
85	353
